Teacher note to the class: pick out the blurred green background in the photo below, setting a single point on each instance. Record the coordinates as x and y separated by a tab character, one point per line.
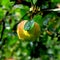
48	46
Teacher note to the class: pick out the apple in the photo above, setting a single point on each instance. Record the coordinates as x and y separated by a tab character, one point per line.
32	34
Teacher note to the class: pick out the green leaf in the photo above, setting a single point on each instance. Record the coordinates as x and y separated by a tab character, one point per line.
55	1
2	12
28	0
34	1
29	25
7	4
38	18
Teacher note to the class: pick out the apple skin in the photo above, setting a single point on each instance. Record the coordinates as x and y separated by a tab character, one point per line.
32	34
9	59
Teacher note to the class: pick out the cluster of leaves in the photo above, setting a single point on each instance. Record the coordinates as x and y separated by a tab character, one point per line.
48	46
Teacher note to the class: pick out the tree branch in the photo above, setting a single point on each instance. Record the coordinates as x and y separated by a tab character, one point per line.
3	23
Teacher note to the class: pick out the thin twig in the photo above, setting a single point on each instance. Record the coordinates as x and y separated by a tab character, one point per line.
54	10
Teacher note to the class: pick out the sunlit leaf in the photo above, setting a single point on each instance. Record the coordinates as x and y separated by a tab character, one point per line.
34	1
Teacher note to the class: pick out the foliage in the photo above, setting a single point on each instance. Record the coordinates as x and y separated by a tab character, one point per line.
47	46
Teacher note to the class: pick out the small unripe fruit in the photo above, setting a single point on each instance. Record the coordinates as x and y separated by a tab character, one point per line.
28	35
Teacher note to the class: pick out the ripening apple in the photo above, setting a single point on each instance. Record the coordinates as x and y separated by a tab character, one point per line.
32	34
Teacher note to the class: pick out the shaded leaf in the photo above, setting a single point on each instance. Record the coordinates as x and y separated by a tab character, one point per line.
29	25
